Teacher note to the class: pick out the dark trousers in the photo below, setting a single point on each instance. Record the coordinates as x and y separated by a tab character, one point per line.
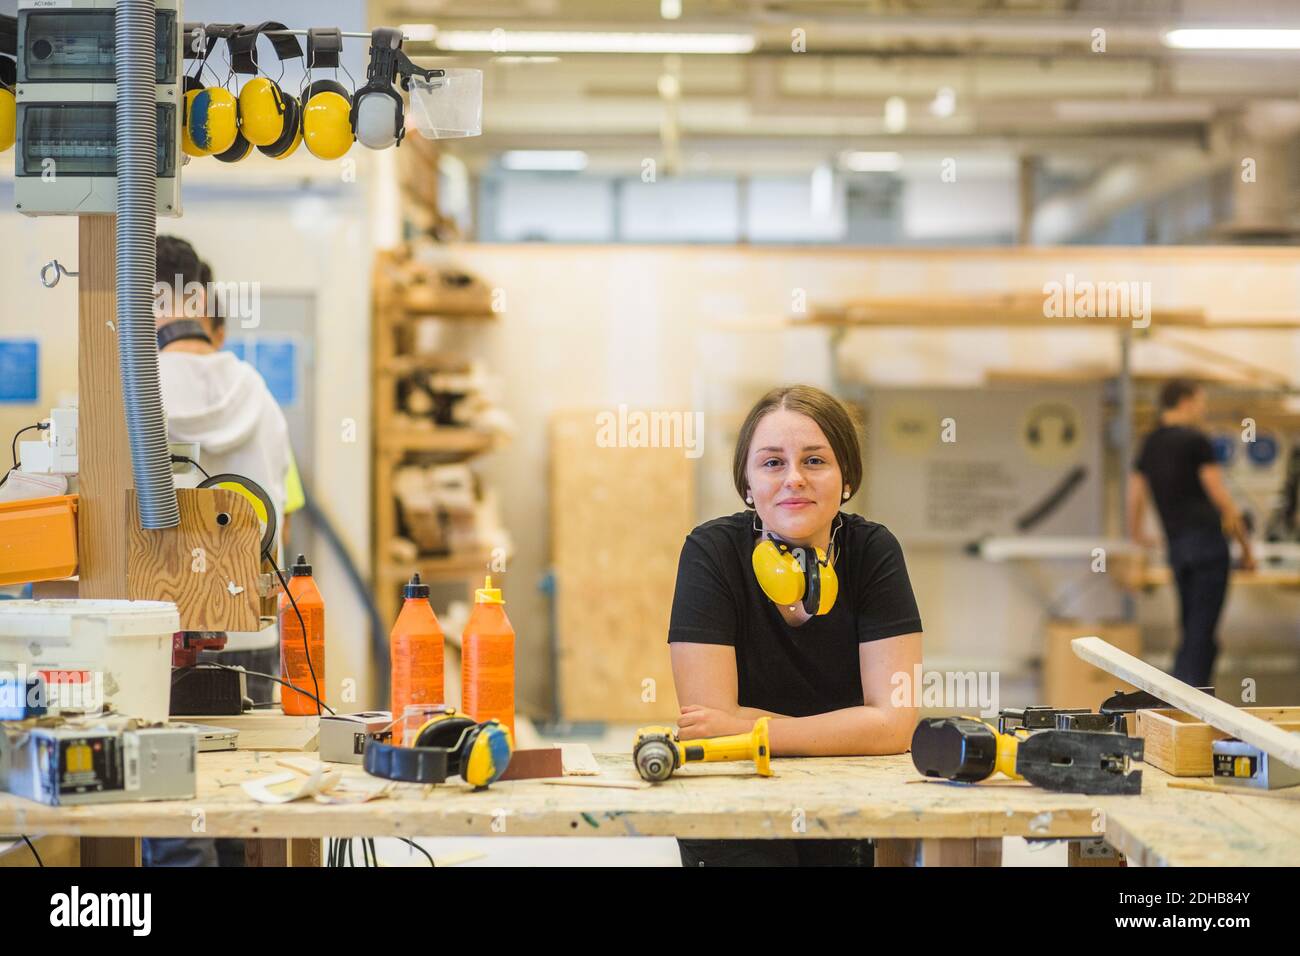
1199	561
805	852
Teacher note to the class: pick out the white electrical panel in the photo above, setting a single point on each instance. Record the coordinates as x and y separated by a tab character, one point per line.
66	98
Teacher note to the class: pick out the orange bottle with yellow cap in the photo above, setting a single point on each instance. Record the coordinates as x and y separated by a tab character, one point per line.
416	654
488	659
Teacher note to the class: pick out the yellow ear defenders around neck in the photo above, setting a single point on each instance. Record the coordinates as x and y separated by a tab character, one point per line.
790	574
8	106
478	752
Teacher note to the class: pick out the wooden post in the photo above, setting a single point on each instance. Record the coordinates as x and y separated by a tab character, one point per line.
103	455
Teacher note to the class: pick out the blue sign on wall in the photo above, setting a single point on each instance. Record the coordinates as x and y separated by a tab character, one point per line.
20	364
276	360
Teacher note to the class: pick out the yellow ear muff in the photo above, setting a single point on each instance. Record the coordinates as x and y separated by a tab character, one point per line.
188	144
261	111
291	135
327	120
830	585
8	118
782	577
489	754
778	572
213	119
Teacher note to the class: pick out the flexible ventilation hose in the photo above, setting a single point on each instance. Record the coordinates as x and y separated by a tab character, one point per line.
135	72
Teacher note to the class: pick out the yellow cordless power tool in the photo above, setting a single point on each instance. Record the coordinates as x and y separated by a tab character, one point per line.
657	752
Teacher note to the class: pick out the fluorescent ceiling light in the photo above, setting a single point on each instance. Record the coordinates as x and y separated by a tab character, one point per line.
418	32
944	103
670	9
895	114
1233	39
530	41
858	161
545	160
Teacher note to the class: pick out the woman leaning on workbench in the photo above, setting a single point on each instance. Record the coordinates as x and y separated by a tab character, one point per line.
824	679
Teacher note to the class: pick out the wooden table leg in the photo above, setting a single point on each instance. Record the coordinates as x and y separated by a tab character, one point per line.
110	851
272	852
936	852
266	852
305	852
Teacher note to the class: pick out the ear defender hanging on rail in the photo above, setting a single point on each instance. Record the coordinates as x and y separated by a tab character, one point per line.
263	106
210	114
327	104
791	575
378	114
8	105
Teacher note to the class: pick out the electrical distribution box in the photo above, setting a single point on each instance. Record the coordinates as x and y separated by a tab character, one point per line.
66	97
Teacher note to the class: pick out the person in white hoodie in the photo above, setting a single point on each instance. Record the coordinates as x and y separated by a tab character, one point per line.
221	402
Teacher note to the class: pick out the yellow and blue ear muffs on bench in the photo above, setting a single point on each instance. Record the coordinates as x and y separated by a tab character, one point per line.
447	745
790	575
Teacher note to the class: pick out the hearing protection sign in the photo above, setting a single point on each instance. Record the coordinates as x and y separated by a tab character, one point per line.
952	465
20	363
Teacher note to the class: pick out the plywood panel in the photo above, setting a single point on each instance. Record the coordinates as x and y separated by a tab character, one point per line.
103	454
207	565
619	516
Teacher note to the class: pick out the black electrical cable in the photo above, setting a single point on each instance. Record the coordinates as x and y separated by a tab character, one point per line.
303	624
13	447
213	665
30	846
184	458
426	853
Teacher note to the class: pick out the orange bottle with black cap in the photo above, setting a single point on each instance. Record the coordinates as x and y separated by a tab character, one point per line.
302	663
488	659
415	654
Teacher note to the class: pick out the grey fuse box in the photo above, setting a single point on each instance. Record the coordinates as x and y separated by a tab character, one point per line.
66	98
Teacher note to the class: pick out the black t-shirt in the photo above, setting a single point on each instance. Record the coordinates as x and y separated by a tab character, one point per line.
795	671
1171	460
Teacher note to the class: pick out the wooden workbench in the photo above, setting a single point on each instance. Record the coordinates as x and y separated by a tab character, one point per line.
858	797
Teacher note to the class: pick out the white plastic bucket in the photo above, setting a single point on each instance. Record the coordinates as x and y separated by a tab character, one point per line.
120	652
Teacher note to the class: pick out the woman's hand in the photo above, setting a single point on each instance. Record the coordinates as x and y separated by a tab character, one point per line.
698	721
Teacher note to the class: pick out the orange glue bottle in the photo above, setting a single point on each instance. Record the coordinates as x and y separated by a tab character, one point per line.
302	663
488	659
416	654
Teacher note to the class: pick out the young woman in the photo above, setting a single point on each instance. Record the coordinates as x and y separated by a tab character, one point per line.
820	667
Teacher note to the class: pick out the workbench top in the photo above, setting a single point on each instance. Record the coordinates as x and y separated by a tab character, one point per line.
856	797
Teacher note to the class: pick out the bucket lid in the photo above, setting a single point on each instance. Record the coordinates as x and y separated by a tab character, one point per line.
58	616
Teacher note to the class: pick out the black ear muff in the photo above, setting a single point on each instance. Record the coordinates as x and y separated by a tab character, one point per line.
326	86
812	580
239	149
291	134
448	732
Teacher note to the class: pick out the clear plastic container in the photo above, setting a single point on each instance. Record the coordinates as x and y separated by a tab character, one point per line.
450	106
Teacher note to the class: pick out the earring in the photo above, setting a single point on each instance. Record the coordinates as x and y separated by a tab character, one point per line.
847	494
749	500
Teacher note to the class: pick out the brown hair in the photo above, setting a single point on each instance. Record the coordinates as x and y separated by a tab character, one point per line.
1175	390
831	415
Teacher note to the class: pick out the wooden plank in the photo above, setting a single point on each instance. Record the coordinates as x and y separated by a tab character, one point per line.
615	570
266	852
110	851
1181	745
1233	720
195	564
269	731
103	453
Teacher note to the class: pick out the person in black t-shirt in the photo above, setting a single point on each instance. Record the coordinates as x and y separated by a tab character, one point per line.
1176	468
824	679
